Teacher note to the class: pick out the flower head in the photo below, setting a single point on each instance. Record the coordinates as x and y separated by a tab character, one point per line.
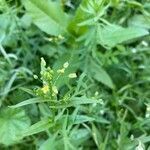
45	89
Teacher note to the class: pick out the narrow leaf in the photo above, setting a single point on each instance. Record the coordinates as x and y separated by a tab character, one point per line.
29	101
40	126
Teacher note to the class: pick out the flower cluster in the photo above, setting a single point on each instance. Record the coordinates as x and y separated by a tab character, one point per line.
49	78
55	38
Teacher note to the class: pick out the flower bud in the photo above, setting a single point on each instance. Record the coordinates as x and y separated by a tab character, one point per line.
72	75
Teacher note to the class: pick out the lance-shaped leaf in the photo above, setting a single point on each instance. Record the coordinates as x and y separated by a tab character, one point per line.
38	127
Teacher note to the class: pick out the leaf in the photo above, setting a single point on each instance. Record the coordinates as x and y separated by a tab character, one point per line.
79	136
80	16
40	126
57	104
99	74
76	101
48	49
29	101
96	135
12	121
140	21
9	84
78	119
50	143
81	119
111	35
100	119
73	60
47	15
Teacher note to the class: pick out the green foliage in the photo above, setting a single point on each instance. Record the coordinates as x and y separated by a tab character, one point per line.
118	34
91	88
46	16
12	122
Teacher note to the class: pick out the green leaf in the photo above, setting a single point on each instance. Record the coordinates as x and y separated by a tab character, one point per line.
96	135
40	126
99	74
28	102
80	16
47	15
100	119
81	119
140	21
73	60
111	35
79	136
50	143
12	121
75	101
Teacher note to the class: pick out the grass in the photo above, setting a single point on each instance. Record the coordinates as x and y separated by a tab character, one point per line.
74	75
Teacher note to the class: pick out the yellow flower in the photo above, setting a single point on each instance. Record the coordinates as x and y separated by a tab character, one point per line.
45	89
61	70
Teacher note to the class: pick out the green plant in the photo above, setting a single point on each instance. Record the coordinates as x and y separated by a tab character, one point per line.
104	44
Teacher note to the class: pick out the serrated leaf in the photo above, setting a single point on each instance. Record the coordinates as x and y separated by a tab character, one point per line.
12	121
111	35
47	15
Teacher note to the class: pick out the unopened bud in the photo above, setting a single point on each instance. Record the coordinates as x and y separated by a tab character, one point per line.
72	75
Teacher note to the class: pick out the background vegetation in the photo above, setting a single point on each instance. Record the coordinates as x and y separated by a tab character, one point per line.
45	44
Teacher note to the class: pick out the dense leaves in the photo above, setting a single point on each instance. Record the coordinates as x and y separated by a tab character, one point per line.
74	75
12	122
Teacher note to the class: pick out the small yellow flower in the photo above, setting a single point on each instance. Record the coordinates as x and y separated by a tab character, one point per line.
45	89
72	75
61	70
